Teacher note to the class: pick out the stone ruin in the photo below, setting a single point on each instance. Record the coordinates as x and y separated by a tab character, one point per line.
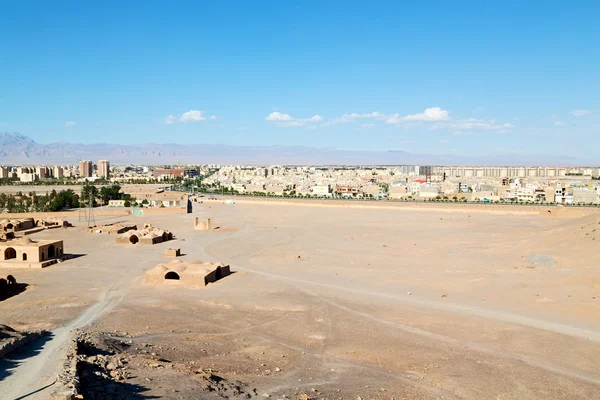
173	253
116	228
149	235
205	225
16	224
24	224
192	273
52	222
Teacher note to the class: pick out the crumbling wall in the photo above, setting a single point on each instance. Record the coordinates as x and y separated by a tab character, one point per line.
67	382
11	344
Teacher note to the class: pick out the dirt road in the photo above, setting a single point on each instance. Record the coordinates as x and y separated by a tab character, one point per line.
33	377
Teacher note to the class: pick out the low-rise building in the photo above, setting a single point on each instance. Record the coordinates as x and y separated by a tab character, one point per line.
429	191
347	191
26	253
585	196
321	190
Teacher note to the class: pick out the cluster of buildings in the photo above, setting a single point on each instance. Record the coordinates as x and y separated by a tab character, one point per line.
85	169
35	173
486	184
21	251
516	172
565	185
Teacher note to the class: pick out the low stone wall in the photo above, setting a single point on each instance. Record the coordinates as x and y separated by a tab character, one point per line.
67	382
165	210
12	344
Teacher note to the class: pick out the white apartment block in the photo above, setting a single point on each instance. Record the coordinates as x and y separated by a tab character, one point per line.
501	172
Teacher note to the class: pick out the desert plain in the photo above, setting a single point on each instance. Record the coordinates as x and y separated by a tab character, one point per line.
326	301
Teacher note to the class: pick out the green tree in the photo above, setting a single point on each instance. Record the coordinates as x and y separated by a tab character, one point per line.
11	204
64	199
89	193
108	193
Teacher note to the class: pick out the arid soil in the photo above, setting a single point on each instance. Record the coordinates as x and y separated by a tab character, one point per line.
325	302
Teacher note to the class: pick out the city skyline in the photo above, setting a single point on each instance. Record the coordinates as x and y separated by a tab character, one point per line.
453	80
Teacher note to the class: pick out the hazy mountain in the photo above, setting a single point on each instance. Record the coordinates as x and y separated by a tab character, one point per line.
19	149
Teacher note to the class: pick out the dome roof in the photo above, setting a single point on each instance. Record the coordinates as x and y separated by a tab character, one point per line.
24	241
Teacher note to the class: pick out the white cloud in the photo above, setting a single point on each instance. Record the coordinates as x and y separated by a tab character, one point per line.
581	113
70	124
477	124
277	116
434	117
471	125
188	116
440	119
191	116
430	114
558	123
354	117
285	120
294	123
444	140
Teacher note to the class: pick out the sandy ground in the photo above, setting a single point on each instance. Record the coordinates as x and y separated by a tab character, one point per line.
333	302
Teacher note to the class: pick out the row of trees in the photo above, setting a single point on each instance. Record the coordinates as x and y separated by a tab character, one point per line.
43	182
91	194
63	200
53	201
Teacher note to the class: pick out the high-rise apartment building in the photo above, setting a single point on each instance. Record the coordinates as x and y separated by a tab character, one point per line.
57	172
103	169
86	168
41	172
3	172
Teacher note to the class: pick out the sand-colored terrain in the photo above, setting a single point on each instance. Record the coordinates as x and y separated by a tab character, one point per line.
330	302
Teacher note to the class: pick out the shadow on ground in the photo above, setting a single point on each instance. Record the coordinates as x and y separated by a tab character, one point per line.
96	383
12	360
77	255
96	386
9	291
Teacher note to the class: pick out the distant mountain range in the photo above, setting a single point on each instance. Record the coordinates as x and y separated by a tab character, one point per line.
18	149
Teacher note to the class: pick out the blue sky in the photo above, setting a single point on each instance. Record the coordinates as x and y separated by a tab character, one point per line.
430	77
